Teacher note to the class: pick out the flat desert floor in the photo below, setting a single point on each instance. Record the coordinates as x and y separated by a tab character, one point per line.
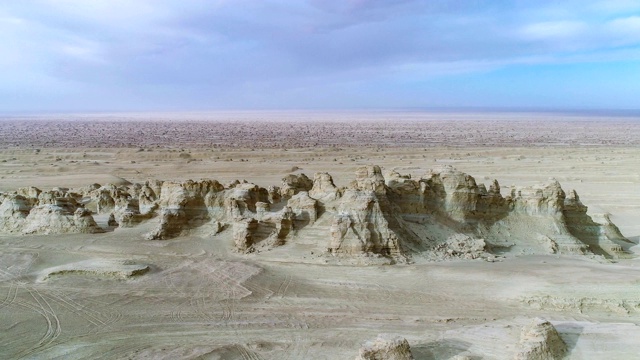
202	300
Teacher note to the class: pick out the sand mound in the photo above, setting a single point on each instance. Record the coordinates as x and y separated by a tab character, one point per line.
121	269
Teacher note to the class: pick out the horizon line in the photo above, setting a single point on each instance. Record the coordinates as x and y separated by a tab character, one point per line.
414	109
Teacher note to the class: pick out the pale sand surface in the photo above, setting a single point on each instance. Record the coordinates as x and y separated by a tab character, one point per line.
201	299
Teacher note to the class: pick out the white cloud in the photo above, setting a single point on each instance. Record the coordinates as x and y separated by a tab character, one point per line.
625	31
551	30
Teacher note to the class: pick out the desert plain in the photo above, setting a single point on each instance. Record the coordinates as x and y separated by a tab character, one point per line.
121	294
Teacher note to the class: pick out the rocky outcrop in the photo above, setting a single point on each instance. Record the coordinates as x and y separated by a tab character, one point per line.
103	199
540	341
304	207
453	194
243	206
386	347
237	202
324	189
443	214
491	205
538	200
272	229
49	213
602	236
408	194
13	212
127	212
369	178
243	234
122	203
147	198
361	227
184	206
293	184
172	223
29	192
535	218
54	219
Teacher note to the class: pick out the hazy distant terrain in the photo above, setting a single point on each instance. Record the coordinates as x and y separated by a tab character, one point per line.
313	129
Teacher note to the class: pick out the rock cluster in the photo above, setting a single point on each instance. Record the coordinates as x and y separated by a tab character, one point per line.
50	212
386	347
443	214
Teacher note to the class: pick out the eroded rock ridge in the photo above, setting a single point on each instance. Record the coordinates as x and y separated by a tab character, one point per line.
443	214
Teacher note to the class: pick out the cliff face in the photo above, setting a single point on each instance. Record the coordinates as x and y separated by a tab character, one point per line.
443	214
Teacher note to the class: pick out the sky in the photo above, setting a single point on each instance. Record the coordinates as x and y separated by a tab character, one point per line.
198	55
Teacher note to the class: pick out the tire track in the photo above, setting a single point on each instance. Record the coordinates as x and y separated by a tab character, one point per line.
286	286
196	298
90	315
53	322
122	351
248	354
177	312
11	295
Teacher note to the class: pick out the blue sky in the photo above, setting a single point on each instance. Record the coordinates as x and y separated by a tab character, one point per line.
154	55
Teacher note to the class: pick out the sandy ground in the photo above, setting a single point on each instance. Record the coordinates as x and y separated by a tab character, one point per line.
198	299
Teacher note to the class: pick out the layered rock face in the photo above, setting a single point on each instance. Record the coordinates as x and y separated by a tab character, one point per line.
386	347
323	189
366	220
360	226
453	194
540	341
243	207
602	236
182	206
52	212
540	210
540	218
443	214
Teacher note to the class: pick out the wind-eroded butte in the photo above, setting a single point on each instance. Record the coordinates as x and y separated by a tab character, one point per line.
443	214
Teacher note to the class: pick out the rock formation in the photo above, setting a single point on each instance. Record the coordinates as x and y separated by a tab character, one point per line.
324	190
304	207
50	212
293	184
243	233
185	205
360	226
386	347
13	212
52	219
443	214
598	232
535	217
540	341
